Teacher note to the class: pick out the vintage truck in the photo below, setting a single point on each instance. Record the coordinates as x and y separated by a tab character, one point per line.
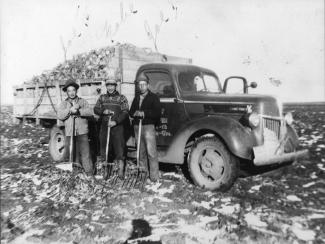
203	126
212	131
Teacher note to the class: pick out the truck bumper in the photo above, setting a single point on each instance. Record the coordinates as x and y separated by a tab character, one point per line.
264	157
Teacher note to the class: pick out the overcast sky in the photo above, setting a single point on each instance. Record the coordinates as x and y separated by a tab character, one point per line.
263	40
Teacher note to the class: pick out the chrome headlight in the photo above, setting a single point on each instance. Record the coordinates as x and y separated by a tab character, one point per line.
254	119
288	118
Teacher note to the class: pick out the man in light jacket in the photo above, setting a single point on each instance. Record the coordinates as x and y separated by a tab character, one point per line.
76	108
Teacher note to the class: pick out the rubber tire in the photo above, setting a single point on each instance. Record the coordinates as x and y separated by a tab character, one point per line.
230	163
57	134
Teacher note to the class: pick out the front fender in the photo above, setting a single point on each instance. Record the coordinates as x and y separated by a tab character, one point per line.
238	139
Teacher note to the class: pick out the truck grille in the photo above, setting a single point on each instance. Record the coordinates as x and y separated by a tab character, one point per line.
273	125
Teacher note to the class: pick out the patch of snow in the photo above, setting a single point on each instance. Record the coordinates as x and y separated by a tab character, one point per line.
65	166
27	199
316	216
226	199
254	188
90	227
198	231
308	184
209	193
254	220
162	191
127	225
97	215
152	219
19	208
313	175
22	238
228	209
103	239
161	198
36	181
154	187
303	234
293	198
321	167
73	200
99	177
68	215
4	176
184	211
173	175
214	199
202	204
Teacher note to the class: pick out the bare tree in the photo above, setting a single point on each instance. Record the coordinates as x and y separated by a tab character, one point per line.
154	34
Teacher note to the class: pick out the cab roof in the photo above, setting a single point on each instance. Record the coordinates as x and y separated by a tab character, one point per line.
174	68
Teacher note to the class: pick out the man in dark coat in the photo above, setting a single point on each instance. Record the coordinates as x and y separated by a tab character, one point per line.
147	105
77	109
112	103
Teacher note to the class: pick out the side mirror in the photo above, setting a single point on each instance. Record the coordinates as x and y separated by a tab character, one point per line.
253	84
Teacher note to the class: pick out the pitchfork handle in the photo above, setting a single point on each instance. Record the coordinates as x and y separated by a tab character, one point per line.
72	139
108	136
139	141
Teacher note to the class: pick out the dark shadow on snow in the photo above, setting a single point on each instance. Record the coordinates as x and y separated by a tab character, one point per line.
140	228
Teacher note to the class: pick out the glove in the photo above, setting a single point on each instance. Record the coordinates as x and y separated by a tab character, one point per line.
108	112
111	123
76	106
139	114
73	110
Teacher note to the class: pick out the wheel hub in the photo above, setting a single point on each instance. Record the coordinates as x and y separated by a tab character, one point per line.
212	164
60	143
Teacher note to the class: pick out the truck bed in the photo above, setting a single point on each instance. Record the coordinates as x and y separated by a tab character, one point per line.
39	98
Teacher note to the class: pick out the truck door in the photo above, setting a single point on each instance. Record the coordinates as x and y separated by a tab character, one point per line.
172	113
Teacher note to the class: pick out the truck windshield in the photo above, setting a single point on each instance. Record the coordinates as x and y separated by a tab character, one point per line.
196	82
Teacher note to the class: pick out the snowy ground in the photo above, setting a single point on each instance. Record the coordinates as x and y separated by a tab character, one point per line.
43	204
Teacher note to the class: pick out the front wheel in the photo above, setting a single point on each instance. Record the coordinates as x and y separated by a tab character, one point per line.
211	165
57	144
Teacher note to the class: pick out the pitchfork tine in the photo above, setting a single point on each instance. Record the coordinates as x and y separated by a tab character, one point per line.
128	179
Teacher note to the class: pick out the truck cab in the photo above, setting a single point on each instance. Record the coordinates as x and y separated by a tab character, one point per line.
212	131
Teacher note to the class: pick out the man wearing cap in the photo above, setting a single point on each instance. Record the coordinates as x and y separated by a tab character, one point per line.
115	105
77	109
146	105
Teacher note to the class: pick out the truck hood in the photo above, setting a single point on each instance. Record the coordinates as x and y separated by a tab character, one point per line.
261	104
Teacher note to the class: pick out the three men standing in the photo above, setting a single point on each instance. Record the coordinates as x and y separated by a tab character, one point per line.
146	105
112	108
76	110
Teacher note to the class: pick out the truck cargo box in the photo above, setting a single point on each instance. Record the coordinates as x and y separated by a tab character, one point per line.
38	98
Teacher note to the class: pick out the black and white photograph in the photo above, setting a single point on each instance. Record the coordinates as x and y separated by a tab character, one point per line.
162	122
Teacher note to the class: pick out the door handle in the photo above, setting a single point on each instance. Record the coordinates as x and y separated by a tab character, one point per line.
177	100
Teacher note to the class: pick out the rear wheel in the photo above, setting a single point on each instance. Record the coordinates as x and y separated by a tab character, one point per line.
211	165
57	144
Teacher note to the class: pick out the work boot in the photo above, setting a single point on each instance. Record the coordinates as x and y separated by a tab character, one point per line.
77	168
120	169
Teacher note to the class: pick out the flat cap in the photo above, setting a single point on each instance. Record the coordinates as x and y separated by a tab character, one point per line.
70	82
142	77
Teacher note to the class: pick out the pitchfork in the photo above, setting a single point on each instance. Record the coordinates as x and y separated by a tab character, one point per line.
110	169
136	175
